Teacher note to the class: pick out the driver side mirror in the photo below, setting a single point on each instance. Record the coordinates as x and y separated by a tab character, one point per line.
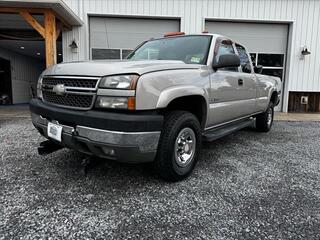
258	69
226	61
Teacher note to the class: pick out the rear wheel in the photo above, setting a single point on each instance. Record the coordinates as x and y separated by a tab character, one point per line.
264	120
179	146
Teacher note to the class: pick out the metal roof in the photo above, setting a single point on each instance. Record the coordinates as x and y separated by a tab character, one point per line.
59	6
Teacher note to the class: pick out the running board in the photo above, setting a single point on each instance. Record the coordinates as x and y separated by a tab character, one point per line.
217	133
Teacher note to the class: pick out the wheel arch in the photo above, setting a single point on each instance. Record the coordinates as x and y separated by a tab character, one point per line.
194	103
274	98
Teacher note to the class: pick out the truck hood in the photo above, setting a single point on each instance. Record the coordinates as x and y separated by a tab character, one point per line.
103	68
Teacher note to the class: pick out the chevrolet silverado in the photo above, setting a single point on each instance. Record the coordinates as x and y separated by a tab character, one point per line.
158	105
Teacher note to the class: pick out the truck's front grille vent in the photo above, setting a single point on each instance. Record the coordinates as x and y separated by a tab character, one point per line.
69	100
70	92
70	82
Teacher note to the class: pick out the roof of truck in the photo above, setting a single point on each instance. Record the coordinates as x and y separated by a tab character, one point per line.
180	34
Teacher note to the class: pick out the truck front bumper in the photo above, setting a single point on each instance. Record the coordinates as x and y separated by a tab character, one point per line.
133	144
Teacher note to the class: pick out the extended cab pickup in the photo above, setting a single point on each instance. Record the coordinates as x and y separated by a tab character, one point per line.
158	105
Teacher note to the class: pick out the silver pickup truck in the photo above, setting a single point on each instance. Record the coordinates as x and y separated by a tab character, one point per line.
157	106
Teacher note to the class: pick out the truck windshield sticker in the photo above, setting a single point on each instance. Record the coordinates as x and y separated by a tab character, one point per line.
195	59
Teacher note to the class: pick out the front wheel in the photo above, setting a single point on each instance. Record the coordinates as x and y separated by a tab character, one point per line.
179	146
264	120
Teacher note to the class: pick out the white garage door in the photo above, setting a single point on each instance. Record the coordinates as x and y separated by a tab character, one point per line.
115	38
267	43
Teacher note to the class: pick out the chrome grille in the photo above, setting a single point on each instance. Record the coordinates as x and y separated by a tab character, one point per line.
78	92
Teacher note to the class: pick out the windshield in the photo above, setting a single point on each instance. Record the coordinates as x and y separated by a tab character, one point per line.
189	49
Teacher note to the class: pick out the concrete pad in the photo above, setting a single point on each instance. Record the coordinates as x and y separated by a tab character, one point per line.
300	117
14	111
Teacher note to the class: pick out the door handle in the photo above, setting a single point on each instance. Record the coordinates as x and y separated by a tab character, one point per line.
240	82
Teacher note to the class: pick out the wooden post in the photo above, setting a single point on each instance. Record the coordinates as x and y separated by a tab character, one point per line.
50	37
33	22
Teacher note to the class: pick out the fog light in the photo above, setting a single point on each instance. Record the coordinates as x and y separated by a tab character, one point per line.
108	151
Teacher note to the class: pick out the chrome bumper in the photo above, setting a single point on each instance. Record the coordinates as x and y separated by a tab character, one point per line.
131	147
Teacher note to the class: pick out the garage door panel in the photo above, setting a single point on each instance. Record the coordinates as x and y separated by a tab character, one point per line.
257	37
99	40
254	44
120	40
127	33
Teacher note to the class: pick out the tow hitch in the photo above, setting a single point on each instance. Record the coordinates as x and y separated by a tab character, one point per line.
47	147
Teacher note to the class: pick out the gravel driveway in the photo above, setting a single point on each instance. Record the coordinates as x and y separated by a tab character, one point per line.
246	186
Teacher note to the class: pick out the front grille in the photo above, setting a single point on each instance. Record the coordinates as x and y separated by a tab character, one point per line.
68	100
70	82
78	92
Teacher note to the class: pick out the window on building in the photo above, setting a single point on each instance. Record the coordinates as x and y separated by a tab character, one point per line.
98	53
271	60
125	53
273	64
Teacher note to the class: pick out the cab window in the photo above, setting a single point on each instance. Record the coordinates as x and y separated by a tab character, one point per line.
244	59
191	49
224	47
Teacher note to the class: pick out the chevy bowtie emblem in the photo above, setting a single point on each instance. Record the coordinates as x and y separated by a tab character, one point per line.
59	89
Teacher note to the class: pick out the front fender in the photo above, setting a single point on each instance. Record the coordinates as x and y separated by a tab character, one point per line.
171	93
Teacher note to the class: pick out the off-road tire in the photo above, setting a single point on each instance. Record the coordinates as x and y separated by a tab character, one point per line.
263	121
166	163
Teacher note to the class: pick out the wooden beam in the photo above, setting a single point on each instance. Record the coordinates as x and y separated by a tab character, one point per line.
50	37
33	22
19	9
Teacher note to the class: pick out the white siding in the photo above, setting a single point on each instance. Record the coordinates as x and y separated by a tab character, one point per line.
24	73
304	15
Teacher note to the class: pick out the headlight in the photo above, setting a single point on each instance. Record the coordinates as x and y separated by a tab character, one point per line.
116	102
39	87
119	81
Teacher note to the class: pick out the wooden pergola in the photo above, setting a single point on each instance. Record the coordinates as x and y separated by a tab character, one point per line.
54	24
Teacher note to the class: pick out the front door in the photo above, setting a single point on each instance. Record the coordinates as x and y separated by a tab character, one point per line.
226	88
248	91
